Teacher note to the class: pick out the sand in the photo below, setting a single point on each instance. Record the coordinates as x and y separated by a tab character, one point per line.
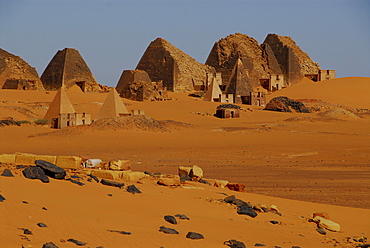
302	166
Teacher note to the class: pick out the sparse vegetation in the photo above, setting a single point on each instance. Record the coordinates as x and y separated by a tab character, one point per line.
24	122
42	122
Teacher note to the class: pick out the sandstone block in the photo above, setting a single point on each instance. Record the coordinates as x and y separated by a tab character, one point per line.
196	173
184	170
51	159
25	158
69	162
120	165
166	181
240	187
106	174
327	224
7	158
218	183
132	176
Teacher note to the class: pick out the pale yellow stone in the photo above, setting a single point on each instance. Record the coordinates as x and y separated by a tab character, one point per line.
69	162
107	174
7	158
327	224
25	158
184	170
51	159
196	173
167	181
132	176
120	165
217	183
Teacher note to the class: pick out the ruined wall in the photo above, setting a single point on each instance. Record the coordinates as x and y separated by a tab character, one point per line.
177	70
15	73
68	68
227	50
295	63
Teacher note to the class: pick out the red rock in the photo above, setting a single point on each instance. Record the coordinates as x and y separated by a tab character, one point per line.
325	215
240	187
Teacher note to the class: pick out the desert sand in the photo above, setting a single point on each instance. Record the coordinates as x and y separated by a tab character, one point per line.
303	165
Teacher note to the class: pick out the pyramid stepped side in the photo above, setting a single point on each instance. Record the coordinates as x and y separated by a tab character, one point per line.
15	73
239	84
112	107
60	105
178	71
294	63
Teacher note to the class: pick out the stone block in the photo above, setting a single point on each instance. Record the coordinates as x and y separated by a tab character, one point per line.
218	183
184	170
132	176
51	159
169	181
69	162
120	165
25	158
327	224
240	187
106	174
7	158
196	173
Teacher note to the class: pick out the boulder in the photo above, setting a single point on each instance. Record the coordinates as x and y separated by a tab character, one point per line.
285	104
77	242
246	210
49	245
120	165
7	173
40	224
168	230
132	176
7	158
133	190
182	217
2	198
184	170
234	244
35	172
327	224
218	183
170	219
194	235
112	183
166	181
91	163
196	173
51	169
106	174
239	187
25	158
51	159
69	162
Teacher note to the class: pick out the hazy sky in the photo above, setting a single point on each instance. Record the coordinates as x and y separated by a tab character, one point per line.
112	35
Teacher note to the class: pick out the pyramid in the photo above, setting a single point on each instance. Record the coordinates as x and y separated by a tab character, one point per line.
74	89
60	105
66	69
213	91
238	84
112	107
15	73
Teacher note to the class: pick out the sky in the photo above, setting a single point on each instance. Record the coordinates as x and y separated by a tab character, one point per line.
112	35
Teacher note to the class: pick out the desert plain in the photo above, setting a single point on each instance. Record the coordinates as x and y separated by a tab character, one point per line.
300	162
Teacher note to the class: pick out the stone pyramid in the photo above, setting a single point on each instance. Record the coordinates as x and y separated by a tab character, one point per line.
66	69
178	71
239	84
60	105
15	73
112	107
213	91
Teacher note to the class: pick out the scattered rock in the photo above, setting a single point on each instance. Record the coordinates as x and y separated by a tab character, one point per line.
120	165
51	169
133	190
327	224
170	219
25	202
239	187
245	209
120	232
49	245
75	182
35	172
94	177
194	235
110	195
7	173
258	244
285	104
233	200
168	230
321	231
196	173
28	232
166	181
79	243
112	183
184	170
274	222
182	217
40	224
234	244
44	208
2	198
204	181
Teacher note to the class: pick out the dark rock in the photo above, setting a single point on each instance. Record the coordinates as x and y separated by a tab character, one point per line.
133	190
245	209
110	195
168	230
258	244
194	235
25	202
294	246
321	230
7	173
204	181
20	166
184	178
35	172
49	245
233	200
51	169
112	183
2	198
80	243
94	177
40	224
274	222
44	208
170	219
285	104
182	217
230	199
75	176
75	182
234	244
120	232
26	231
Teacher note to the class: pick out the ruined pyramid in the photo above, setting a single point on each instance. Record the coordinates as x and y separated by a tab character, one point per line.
15	73
178	71
112	107
213	91
60	105
66	69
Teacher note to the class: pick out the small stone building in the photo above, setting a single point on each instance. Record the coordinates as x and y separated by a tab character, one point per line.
228	111
326	74
258	96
